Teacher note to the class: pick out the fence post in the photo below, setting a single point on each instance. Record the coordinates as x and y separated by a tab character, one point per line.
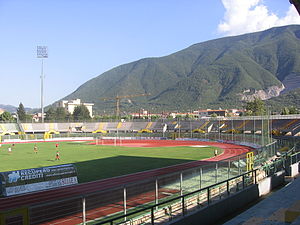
228	169
83	211
216	173
200	177
208	196
152	215
239	169
228	191
156	192
124	192
181	184
183	206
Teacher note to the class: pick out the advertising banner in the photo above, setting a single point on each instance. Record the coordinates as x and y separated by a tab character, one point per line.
36	179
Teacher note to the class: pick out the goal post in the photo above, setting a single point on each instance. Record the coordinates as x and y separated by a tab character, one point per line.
99	140
116	141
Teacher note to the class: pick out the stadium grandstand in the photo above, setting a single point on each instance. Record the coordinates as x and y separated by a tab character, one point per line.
278	125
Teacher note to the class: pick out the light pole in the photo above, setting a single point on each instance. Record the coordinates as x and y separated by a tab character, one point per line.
42	52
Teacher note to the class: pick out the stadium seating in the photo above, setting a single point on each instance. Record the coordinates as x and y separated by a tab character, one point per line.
64	127
89	127
9	128
111	127
136	126
278	126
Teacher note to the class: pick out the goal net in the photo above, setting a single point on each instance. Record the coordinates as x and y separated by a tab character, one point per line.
116	141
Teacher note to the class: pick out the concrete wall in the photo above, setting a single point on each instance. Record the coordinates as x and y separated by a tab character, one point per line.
294	169
269	183
216	211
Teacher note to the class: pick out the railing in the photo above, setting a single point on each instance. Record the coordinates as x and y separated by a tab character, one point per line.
181	205
195	200
294	158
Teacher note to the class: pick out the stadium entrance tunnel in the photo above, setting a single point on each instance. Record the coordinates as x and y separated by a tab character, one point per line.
145	131
99	131
198	131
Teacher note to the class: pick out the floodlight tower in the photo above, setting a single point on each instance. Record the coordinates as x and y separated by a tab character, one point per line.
42	52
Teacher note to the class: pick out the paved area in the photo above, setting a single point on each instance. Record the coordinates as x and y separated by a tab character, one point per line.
276	209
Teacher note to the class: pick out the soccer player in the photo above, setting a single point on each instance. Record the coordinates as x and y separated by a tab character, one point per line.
216	152
57	156
35	149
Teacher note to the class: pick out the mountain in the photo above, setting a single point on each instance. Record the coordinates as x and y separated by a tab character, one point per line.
291	98
8	108
219	73
13	109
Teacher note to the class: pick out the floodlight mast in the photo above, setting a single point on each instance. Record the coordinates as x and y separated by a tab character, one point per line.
42	52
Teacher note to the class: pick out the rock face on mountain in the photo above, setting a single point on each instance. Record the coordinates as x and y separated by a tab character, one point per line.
217	73
271	92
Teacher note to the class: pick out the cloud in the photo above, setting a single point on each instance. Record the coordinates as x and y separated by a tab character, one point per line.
244	16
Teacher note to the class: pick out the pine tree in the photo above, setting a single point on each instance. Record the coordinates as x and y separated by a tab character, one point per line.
21	112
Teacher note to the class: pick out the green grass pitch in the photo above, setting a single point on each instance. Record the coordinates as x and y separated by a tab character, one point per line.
95	162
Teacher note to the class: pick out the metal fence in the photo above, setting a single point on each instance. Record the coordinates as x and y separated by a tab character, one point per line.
151	192
258	140
185	203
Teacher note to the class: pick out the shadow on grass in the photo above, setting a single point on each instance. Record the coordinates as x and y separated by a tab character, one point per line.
120	165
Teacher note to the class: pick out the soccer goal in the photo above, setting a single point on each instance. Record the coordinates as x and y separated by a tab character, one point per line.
116	141
99	140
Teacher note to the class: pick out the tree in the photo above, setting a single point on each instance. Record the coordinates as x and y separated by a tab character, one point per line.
60	114
50	114
154	117
293	110
81	113
285	111
6	117
21	112
214	115
289	110
255	108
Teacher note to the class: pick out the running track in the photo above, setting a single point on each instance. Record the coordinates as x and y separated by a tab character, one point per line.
27	200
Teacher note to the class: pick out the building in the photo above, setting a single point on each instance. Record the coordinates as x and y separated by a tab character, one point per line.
210	112
70	105
144	114
236	112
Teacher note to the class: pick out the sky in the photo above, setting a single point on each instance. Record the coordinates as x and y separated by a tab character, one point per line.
85	38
